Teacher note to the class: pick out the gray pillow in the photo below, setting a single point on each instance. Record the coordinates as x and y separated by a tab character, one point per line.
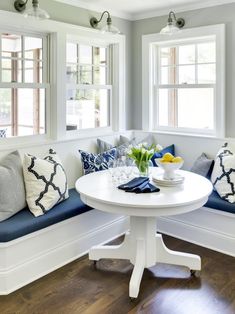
103	146
12	189
126	141
203	165
121	149
149	139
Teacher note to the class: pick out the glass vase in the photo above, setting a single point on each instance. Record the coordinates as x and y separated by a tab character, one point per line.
144	167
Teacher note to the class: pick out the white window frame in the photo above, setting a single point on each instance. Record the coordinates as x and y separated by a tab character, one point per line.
45	75
149	60
56	108
91	37
109	86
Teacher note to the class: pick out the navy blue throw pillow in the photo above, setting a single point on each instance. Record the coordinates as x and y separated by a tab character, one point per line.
97	162
168	149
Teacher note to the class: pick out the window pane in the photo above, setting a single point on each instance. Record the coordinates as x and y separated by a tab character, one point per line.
11	44
196	108
163	101
87	109
31	111
206	74
11	70
42	112
168	75
85	54
168	56
85	74
100	75
33	44
33	72
187	54
103	55
5	107
72	53
99	55
72	73
206	52
186	74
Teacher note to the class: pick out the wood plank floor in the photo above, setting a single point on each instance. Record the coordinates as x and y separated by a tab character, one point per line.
80	288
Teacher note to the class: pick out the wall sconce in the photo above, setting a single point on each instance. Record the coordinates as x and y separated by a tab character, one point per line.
35	11
108	28
173	25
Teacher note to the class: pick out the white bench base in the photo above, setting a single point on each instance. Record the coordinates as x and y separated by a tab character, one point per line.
210	228
28	258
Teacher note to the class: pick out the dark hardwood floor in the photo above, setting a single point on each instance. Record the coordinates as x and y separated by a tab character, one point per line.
80	288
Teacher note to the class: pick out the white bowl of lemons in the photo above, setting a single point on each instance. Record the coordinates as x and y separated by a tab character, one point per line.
169	164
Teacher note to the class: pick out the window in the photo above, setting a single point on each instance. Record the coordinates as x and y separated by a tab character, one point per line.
23	84
185	91
186	86
88	86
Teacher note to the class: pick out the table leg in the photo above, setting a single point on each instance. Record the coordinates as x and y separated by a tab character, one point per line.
138	270
121	251
164	255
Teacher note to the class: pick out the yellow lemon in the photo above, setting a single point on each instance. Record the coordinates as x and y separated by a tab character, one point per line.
177	159
168	157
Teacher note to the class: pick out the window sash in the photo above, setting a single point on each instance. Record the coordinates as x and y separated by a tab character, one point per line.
173	112
14	86
156	81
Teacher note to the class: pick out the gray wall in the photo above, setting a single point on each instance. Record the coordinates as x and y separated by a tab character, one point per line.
209	16
78	16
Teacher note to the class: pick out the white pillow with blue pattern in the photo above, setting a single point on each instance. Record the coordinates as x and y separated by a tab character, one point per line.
96	162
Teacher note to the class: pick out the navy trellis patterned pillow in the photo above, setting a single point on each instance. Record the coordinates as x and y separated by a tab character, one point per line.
96	162
3	132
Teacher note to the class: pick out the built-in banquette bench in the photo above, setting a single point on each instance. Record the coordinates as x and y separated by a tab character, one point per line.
213	225
32	247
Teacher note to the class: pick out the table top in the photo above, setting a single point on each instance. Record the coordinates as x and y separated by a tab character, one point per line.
97	190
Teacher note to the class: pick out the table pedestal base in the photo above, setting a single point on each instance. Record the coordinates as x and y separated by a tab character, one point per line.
144	248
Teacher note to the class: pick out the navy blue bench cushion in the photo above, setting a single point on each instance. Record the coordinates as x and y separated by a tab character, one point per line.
216	202
24	222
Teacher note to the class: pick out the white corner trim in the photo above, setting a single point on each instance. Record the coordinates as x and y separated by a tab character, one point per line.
146	14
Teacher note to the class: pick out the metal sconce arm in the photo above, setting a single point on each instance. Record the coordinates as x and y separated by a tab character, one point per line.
94	21
180	22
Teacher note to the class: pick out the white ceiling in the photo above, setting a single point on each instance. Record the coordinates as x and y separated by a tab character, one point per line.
139	9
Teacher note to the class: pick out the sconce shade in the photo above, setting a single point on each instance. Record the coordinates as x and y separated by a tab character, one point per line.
37	13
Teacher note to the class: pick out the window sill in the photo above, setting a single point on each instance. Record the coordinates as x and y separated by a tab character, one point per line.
182	134
10	144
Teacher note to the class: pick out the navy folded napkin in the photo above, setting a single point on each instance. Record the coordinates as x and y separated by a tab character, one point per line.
133	183
139	185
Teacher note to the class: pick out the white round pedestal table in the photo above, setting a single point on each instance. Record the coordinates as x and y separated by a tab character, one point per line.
142	246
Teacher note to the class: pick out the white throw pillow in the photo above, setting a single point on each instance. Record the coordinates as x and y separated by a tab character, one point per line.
223	174
45	182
